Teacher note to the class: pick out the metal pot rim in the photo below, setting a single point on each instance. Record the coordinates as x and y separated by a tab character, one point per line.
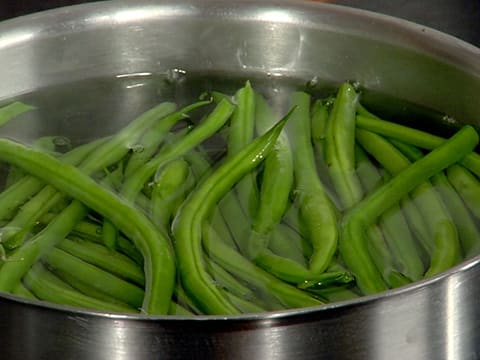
433	42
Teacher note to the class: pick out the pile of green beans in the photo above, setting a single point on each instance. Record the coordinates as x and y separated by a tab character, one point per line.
225	207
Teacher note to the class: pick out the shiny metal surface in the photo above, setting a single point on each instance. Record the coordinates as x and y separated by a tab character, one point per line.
435	319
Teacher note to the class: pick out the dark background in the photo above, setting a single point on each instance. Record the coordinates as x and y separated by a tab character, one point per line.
460	18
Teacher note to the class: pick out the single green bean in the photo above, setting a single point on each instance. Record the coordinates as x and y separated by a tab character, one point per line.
340	146
277	181
316	211
12	110
169	190
467	186
240	134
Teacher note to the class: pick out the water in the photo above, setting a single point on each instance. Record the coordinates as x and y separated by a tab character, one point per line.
80	112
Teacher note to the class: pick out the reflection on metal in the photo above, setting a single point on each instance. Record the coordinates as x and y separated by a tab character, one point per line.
435	319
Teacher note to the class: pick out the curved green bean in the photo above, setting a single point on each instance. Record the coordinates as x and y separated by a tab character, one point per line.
316	211
340	146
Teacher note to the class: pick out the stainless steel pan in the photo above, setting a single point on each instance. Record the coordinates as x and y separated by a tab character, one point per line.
434	319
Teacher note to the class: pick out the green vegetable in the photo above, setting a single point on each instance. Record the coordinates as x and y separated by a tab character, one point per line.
187	227
354	224
154	246
316	210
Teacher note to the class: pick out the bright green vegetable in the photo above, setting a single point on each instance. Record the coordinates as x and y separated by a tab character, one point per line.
340	146
154	246
316	210
187	227
352	240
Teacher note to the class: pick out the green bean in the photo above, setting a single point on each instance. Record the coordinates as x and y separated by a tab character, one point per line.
25	188
327	279
277	178
289	296
292	220
340	146
236	220
212	123
383	259
320	114
240	134
21	260
393	225
179	310
107	153
22	291
414	137
169	190
187	225
369	176
352	239
426	198
467	186
183	299
224	279
337	294
283	268
401	254
86	230
12	110
153	138
287	243
467	230
100	280
15	232
48	287
244	306
102	257
158	258
85	288
276	185
316	210
218	223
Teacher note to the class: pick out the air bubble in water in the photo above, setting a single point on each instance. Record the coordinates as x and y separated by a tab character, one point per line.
137	148
312	83
356	85
175	76
448	119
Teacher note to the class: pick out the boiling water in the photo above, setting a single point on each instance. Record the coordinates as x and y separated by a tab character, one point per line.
80	112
